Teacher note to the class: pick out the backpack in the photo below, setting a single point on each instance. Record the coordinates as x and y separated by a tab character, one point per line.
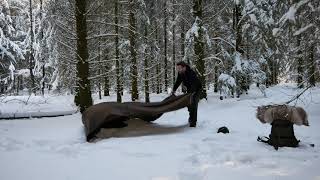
282	135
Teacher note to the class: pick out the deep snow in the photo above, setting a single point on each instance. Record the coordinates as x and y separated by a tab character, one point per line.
36	106
55	148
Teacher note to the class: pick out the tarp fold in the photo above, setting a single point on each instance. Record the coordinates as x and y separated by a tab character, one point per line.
108	113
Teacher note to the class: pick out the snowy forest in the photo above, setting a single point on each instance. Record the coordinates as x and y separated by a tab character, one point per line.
116	47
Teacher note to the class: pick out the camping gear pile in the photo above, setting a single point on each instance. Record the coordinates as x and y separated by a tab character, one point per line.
282	118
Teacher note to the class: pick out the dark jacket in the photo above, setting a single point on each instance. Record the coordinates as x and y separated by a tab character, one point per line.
189	79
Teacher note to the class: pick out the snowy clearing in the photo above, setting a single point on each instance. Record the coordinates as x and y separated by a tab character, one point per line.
36	106
55	148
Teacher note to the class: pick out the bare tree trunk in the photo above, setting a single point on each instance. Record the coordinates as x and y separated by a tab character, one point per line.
99	84
299	54
146	64
121	76
182	36
173	54
158	79
116	22
237	26
199	45
83	97
165	47
31	53
42	58
299	63
216	73
159	87
106	91
312	62
132	39
153	42
312	67
18	85
272	77
99	72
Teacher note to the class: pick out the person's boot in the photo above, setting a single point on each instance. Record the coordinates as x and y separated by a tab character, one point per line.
192	123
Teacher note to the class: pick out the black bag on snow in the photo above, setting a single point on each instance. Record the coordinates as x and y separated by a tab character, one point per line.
282	135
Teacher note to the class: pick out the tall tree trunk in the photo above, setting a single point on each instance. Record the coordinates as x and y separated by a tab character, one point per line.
299	63
299	54
116	22
272	77
31	52
312	67
275	70
182	37
159	85
18	85
312	62
106	88
146	64
199	45
42	58
247	46
237	26
216	73
165	47
153	42
12	91
106	91
173	53
158	78
132	39
83	97
99	83
121	63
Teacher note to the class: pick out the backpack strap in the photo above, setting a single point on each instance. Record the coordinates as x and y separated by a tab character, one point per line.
267	140
262	139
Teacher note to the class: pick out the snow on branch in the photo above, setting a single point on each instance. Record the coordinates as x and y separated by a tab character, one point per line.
291	13
196	30
301	30
101	36
229	80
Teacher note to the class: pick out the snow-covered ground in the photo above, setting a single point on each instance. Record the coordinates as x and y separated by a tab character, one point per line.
55	148
36	106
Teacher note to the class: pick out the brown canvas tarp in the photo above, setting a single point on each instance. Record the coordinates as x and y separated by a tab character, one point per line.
107	113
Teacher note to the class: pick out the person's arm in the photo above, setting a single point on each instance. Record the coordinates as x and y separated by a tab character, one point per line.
177	83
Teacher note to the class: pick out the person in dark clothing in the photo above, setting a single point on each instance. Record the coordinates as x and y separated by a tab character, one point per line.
191	81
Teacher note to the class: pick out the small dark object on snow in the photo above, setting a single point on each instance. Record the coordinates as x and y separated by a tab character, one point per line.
223	130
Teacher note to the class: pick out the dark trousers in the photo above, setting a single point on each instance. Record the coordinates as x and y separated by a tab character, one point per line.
193	110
